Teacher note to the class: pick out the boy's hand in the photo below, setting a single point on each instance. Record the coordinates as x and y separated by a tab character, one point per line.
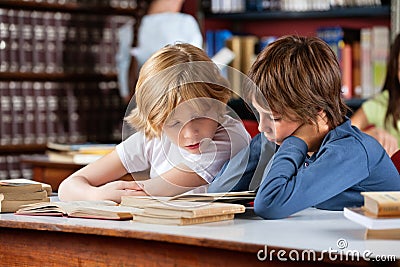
313	134
114	190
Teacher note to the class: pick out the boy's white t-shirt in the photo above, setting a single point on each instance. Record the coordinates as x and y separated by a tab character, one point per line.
161	155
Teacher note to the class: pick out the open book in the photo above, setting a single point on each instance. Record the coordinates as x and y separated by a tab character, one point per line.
241	197
107	210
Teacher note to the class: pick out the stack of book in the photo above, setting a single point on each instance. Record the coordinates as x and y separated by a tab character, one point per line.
77	153
102	209
17	192
187	209
186	212
380	214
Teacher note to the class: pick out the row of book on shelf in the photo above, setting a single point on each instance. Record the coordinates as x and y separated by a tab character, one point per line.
380	214
124	4
26	197
57	42
38	112
238	6
11	167
362	55
82	153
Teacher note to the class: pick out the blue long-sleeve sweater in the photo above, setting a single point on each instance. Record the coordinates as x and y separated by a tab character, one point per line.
347	163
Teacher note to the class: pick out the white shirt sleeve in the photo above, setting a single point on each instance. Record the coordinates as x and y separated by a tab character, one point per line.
133	153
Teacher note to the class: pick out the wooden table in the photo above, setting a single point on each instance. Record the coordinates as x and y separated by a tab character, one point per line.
55	241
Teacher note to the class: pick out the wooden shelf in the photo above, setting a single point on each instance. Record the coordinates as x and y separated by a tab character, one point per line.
68	7
18	149
29	76
349	12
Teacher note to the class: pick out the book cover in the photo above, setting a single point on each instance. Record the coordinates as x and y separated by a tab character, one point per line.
21	185
220	38
38	195
248	44
92	148
234	73
52	106
210	47
341	40
346	65
382	203
356	66
13	40
107	210
39	112
29	113
8	186
73	157
18	118
4	40
365	62
361	216
5	114
382	233
380	45
146	218
14	205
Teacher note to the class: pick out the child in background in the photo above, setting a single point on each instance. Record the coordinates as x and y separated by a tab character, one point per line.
322	161
383	111
162	24
184	134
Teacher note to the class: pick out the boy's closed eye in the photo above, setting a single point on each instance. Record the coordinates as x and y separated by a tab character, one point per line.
172	124
274	118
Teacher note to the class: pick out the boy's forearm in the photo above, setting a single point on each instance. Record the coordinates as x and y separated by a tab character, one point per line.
294	184
76	188
273	197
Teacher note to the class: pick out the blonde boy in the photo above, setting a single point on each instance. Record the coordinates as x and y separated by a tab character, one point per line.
184	135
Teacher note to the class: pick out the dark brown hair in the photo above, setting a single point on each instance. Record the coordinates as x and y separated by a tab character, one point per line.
300	76
392	84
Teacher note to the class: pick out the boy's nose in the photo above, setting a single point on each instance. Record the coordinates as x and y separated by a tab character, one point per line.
265	125
189	130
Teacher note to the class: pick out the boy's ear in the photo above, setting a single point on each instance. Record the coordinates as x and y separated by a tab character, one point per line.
322	113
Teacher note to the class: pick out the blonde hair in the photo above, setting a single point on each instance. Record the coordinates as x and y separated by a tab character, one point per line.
174	74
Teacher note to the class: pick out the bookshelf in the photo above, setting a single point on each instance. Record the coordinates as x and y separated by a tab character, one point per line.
349	12
58	77
276	22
